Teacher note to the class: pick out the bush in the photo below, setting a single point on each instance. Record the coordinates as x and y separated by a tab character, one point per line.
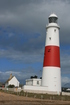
33	76
11	86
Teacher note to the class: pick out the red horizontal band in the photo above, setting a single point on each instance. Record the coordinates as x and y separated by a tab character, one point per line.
51	56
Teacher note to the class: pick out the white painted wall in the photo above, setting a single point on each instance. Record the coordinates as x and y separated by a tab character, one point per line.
14	82
52	79
33	82
50	32
51	75
38	89
35	88
29	82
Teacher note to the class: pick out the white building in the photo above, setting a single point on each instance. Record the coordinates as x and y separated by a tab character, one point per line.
33	82
12	81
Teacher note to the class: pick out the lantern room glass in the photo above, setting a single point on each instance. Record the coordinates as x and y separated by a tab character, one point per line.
53	20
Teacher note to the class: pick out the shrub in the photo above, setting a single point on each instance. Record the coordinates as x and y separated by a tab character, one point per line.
11	86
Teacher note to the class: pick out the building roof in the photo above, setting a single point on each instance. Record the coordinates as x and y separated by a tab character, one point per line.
53	15
34	79
9	78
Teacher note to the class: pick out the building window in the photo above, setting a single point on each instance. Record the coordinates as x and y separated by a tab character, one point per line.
37	82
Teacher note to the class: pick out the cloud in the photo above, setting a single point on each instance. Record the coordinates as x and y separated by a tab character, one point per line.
21	57
65	80
65	60
22	30
20	74
31	17
23	75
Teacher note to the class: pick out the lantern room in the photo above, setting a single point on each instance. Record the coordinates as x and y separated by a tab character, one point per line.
53	18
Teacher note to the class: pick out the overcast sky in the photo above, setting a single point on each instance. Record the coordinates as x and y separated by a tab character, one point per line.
22	37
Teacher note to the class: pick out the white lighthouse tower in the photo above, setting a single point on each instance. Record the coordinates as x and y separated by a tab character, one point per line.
51	76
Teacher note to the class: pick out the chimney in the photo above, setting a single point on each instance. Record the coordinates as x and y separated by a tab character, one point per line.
10	76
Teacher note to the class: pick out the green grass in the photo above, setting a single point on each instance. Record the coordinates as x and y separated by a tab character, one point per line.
39	96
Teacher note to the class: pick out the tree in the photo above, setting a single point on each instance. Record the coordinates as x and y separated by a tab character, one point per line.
11	86
40	77
33	76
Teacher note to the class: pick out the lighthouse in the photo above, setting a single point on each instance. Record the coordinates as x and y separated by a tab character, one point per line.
51	75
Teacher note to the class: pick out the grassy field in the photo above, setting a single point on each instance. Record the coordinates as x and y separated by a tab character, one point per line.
39	96
9	98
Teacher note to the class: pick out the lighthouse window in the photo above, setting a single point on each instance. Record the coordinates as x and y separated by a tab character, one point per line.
54	30
49	38
49	50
